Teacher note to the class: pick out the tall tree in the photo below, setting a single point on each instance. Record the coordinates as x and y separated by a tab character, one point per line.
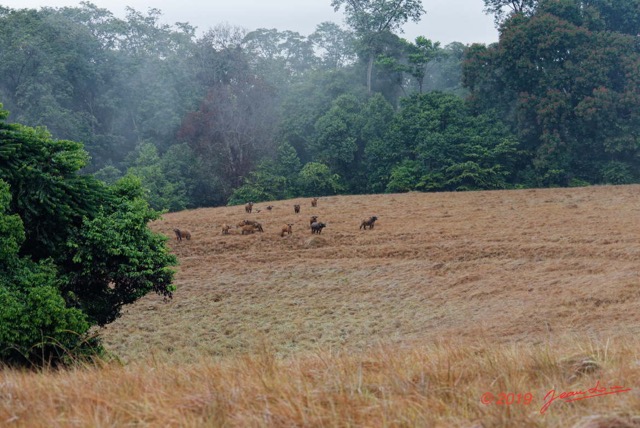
336	46
163	179
219	57
439	144
568	75
279	56
421	54
371	19
154	84
337	134
502	9
306	101
233	128
89	76
50	70
417	59
445	73
621	16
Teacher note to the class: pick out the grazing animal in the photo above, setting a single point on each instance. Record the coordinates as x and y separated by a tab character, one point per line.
248	229
286	229
313	219
255	224
368	223
296	208
269	207
314	202
225	229
248	207
182	234
317	227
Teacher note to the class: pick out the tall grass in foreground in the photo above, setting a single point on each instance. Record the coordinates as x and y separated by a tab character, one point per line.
436	385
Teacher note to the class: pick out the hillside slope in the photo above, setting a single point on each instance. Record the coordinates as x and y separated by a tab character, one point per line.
527	266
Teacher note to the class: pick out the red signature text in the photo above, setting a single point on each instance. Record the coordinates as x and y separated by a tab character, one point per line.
569	396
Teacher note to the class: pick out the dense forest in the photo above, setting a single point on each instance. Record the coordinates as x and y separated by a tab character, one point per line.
232	115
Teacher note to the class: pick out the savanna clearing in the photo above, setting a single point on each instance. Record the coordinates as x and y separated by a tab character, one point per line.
448	297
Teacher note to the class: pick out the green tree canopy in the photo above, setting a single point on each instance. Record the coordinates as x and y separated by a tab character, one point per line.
566	78
437	138
316	179
372	19
74	249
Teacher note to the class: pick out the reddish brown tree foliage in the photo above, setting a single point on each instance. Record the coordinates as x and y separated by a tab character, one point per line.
232	129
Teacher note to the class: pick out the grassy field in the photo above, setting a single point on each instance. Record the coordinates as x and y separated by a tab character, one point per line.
450	296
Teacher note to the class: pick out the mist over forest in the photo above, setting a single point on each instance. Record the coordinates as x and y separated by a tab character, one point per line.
236	115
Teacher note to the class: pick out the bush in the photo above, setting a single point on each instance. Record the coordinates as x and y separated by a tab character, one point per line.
272	179
404	177
35	323
115	258
72	249
262	185
576	182
316	179
250	192
161	192
617	173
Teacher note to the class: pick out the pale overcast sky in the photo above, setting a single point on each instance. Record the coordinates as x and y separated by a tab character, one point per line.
446	21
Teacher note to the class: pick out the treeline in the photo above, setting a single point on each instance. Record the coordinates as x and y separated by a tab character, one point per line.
565	77
231	115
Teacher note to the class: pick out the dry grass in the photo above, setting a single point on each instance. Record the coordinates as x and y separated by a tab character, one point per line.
450	295
435	385
502	266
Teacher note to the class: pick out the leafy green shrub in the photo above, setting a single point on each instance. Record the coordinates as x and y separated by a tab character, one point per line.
273	179
262	185
72	249
249	192
35	323
576	182
472	176
316	179
404	177
617	173
161	192
116	259
432	181
109	174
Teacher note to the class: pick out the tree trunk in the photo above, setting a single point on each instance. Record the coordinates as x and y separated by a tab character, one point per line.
369	73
